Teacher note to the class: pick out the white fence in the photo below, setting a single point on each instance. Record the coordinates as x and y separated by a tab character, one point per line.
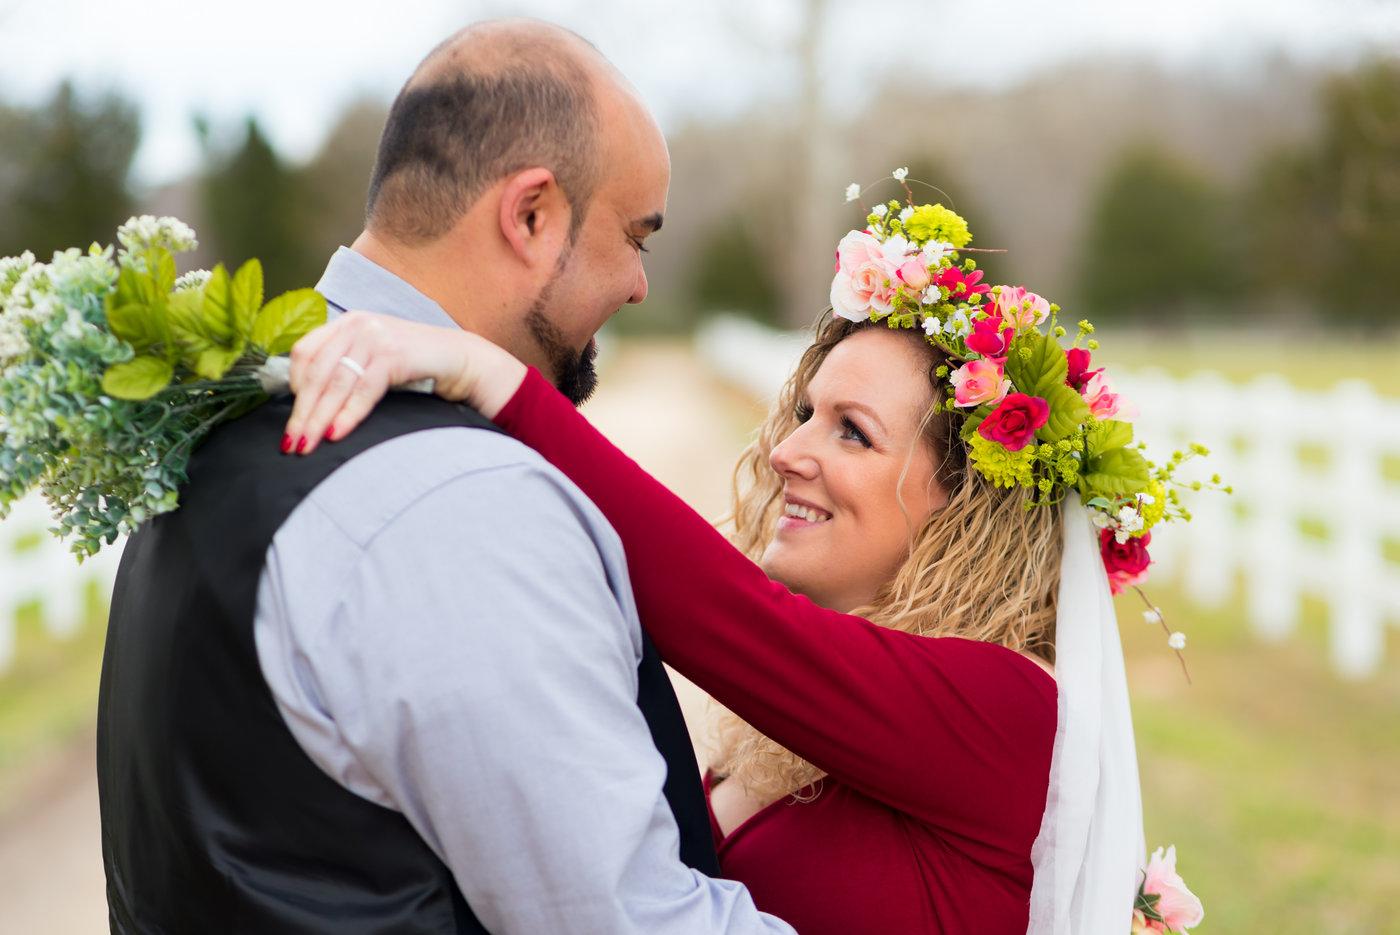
1312	514
36	567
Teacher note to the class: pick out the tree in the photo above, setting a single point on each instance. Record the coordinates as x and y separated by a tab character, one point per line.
65	178
254	206
1158	242
1325	218
734	273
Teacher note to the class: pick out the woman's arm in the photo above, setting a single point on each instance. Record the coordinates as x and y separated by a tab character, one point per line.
926	725
929	726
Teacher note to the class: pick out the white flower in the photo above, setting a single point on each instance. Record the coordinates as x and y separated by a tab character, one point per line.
1177	641
1102	520
959	324
852	192
146	231
931	296
935	251
194	279
895	248
1146	499
901	173
1153	616
1129	522
932	325
906	214
879	211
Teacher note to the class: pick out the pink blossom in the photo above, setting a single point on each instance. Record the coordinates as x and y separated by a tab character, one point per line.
914	273
979	381
989	338
1021	309
1179	908
962	286
1103	402
1125	562
865	279
1078	362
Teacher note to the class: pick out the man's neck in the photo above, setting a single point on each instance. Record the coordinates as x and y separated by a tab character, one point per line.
409	266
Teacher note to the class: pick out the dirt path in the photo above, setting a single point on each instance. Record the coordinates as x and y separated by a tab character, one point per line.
656	402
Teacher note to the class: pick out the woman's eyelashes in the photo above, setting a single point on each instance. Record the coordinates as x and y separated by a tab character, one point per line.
849	430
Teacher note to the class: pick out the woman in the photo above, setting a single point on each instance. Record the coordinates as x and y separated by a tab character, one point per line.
892	653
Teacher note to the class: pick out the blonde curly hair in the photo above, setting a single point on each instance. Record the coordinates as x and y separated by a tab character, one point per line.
983	567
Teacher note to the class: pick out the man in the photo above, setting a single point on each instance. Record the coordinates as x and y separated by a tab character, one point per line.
400	685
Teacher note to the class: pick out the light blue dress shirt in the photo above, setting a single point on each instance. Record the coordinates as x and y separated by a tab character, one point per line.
448	629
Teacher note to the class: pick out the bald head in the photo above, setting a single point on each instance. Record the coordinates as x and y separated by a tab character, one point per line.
494	98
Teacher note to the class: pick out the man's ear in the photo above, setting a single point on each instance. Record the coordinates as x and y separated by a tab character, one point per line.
534	216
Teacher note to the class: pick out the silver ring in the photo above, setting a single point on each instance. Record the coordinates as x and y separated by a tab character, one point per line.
352	366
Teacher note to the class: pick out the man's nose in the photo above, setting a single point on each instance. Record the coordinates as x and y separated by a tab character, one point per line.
639	290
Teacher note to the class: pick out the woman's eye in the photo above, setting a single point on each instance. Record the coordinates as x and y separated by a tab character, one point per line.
851	432
803	412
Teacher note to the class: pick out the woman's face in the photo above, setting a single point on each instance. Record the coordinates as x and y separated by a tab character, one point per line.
843	533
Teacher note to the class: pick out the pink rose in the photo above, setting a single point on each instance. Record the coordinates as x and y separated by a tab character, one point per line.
1013	424
987	340
1020	308
1179	908
1126	564
979	381
914	273
1103	402
865	280
962	286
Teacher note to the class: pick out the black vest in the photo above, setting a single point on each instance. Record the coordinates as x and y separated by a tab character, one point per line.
213	818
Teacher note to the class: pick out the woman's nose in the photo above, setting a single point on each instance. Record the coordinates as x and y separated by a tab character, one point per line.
792	457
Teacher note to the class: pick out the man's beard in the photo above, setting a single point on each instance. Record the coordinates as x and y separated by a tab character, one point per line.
574	373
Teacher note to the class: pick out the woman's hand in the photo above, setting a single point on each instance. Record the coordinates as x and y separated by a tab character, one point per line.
340	371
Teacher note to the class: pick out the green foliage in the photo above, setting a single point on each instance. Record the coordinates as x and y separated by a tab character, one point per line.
139	378
284	320
1036	363
1067	413
64	176
1118	472
1158	241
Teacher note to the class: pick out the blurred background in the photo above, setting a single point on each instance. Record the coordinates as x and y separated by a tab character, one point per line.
1215	184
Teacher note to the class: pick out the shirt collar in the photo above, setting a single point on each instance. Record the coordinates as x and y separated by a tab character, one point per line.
353	281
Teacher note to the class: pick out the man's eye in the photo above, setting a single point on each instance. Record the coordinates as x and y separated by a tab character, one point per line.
639	245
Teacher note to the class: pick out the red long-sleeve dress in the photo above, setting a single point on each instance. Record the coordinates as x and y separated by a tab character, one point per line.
937	750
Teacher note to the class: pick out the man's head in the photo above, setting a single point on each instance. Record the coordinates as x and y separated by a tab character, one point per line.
517	177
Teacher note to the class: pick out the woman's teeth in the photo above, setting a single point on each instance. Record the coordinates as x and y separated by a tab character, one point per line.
807	513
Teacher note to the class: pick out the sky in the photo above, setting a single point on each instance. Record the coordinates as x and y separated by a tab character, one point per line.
296	63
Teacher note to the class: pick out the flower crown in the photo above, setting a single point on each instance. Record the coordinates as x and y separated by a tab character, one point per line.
1037	415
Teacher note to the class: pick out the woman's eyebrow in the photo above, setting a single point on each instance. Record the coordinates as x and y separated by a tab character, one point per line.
862	407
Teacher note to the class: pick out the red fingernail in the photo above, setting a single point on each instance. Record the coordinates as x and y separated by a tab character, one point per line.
301	444
286	443
330	434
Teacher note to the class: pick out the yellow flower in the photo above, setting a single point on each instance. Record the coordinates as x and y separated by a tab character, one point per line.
1003	468
935	222
1152	512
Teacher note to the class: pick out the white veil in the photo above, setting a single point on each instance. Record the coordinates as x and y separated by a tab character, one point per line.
1090	849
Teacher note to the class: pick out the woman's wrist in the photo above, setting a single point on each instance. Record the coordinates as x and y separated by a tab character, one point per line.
481	374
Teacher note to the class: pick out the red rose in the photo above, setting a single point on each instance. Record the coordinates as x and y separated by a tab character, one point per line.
987	341
1125	562
1013	423
1079	372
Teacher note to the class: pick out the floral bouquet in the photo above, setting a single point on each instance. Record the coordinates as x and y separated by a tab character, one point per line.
112	370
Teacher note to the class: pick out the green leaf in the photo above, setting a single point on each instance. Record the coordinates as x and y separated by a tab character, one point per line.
185	313
246	294
1107	435
213	362
1120	472
160	262
138	378
218	306
132	323
1068	410
287	318
1036	364
977	417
